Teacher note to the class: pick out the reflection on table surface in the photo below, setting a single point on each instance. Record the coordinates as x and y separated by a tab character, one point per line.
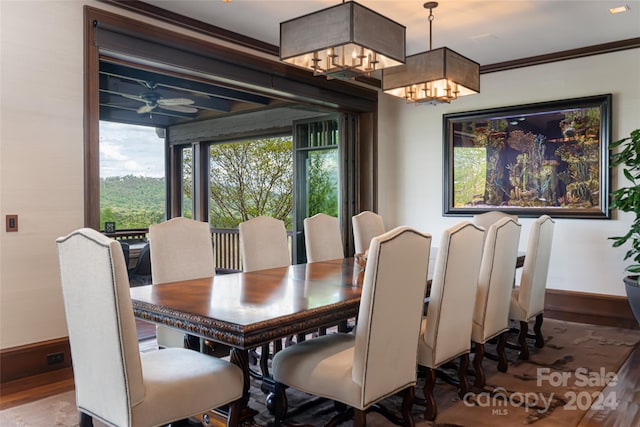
249	309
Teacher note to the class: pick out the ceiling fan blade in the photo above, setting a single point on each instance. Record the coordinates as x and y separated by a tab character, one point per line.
137	98
145	109
179	108
175	101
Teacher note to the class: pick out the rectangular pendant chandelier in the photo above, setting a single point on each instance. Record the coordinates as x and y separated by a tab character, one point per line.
342	41
436	76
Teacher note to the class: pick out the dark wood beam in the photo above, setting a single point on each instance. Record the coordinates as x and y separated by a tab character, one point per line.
131	117
180	83
118	87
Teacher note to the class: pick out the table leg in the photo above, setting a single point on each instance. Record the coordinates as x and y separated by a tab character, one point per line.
241	358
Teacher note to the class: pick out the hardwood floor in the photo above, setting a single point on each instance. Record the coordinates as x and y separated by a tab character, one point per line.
627	413
36	387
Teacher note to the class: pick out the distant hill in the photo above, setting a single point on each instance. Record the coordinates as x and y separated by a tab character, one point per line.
132	201
121	191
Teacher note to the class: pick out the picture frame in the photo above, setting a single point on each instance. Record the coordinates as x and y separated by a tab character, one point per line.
528	160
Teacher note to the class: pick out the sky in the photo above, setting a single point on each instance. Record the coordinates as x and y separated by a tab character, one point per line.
130	150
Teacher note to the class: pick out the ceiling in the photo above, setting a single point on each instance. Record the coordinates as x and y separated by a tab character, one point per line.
487	31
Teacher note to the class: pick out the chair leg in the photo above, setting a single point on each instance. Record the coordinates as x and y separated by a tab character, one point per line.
191	342
477	366
431	410
462	375
503	364
279	404
85	420
522	341
264	360
233	419
537	329
359	418
407	404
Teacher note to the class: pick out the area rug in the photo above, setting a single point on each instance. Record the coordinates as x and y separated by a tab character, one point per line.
555	387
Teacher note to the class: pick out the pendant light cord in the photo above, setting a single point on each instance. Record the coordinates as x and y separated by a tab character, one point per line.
430	5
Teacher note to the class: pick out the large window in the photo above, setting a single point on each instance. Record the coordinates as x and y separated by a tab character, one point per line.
130	65
132	176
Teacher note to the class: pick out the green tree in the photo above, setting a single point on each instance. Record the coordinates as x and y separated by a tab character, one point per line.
323	183
248	179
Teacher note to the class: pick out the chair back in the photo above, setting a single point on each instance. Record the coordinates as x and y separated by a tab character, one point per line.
390	311
536	266
486	219
453	293
366	225
263	244
322	238
181	249
102	331
495	282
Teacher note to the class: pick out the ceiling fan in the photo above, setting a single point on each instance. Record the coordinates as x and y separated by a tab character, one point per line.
153	100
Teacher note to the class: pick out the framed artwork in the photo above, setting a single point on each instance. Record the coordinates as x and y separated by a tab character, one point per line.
545	158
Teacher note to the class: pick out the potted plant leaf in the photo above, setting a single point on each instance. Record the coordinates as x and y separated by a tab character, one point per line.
627	199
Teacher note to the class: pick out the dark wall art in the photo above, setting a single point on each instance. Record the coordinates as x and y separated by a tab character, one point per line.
545	158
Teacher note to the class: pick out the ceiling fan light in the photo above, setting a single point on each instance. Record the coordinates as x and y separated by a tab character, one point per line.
342	41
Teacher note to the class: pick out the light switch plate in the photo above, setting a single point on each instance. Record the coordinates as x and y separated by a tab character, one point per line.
12	223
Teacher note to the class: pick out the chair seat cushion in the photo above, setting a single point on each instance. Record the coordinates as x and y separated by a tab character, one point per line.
321	366
179	383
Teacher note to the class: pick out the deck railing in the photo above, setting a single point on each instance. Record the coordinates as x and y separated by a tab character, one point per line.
226	248
226	245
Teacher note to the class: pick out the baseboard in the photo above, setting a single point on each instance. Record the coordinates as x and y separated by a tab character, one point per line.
33	359
597	309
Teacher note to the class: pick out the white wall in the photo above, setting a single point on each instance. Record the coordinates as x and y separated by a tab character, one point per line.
41	158
410	160
41	165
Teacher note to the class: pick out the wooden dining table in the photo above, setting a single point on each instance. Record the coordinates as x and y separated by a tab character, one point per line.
248	310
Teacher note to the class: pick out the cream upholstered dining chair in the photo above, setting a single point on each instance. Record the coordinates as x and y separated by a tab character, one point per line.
446	331
322	238
181	249
527	300
379	359
366	225
263	244
487	218
493	295
114	382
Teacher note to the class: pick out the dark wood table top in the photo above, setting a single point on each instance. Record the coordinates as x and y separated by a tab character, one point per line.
246	310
